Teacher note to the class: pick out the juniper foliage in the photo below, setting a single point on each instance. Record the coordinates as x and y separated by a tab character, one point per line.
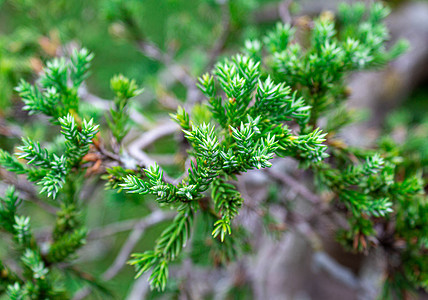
124	90
57	175
366	181
261	94
266	104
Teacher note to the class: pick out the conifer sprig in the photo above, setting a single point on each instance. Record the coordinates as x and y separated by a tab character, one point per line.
257	116
80	62
168	247
56	168
124	90
56	172
213	158
265	103
54	97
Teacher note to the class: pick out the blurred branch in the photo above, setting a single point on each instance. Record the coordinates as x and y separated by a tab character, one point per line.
167	127
221	41
112	229
153	52
267	13
177	71
139	288
295	185
10	130
284	11
136	147
139	228
339	272
275	12
26	191
187	165
105	104
302	224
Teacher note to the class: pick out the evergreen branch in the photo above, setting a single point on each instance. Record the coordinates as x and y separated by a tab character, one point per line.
80	64
22	230
124	90
69	129
227	201
165	192
55	75
55	179
168	247
8	206
35	101
34	262
253	48
371	166
34	153
10	163
360	203
67	221
15	292
66	245
309	146
134	184
277	40
182	118
265	103
77	141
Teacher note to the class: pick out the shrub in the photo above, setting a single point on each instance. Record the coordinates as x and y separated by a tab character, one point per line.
283	96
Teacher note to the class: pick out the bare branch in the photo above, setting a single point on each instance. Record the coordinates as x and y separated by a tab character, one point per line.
221	41
26	191
9	130
105	104
295	185
153	52
167	127
139	288
177	71
118	227
339	272
284	11
139	228
82	293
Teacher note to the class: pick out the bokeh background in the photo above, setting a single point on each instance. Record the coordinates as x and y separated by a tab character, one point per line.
125	36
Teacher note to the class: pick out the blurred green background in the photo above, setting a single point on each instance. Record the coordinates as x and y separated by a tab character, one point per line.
34	31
